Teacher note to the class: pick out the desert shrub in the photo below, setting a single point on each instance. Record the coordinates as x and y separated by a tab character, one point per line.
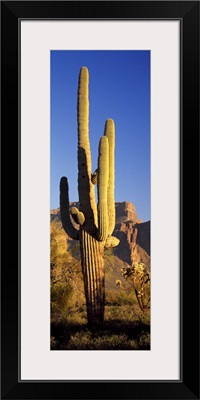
80	341
87	341
144	340
66	279
124	314
60	294
54	343
77	316
140	277
119	297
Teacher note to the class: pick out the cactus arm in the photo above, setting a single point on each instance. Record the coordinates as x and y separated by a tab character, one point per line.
111	241
110	133
77	216
64	210
85	186
103	168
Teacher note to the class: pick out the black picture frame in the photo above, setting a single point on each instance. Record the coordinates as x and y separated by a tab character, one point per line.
188	386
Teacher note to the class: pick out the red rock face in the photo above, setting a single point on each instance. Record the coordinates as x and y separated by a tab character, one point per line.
134	235
134	243
125	211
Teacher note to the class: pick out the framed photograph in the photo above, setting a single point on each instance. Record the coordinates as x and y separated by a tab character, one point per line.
100	104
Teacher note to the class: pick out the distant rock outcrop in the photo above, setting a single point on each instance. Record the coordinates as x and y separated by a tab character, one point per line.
125	211
134	234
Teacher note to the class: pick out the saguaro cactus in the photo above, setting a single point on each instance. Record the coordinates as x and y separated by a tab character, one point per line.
96	222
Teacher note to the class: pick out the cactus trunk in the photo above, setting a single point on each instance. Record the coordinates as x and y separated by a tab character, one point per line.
94	278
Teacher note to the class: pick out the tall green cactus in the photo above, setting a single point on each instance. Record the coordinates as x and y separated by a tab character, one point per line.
96	223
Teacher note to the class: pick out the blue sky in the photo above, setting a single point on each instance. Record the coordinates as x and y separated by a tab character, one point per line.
119	88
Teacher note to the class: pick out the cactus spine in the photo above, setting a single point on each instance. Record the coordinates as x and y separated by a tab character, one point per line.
96	223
